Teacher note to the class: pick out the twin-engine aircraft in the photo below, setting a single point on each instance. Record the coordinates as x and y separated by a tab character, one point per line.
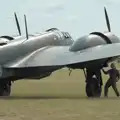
38	56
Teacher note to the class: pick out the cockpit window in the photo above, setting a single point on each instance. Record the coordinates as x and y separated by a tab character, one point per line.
66	34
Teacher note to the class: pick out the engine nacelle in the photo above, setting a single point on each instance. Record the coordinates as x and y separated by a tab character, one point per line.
91	40
94	39
3	41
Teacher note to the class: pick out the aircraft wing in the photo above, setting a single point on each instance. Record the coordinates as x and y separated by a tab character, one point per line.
62	56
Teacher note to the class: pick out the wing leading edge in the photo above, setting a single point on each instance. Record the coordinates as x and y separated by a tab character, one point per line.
60	56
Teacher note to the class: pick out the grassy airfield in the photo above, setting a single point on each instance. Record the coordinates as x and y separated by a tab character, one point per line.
58	97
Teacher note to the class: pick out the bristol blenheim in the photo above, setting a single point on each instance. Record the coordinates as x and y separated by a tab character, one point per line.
37	56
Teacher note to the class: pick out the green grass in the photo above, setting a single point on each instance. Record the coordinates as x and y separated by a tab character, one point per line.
58	97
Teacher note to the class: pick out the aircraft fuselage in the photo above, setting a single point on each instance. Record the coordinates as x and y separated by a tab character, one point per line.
22	48
19	48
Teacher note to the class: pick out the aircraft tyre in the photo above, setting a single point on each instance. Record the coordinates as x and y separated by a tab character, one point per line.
93	89
5	88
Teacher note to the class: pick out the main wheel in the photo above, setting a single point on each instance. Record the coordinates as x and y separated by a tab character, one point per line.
5	88
93	89
88	90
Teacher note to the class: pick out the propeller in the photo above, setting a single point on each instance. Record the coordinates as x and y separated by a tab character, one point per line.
17	23
107	20
26	26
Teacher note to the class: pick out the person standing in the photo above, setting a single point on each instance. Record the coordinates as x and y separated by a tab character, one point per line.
114	76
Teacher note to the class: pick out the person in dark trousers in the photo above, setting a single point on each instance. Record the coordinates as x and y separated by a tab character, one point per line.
113	78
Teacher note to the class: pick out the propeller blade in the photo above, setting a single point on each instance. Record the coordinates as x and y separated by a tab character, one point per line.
26	26
107	20
17	23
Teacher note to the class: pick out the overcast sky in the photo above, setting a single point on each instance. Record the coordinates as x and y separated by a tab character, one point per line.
78	17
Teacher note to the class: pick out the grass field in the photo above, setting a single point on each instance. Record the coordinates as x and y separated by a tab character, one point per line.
58	97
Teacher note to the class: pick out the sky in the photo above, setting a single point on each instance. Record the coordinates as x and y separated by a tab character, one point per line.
78	17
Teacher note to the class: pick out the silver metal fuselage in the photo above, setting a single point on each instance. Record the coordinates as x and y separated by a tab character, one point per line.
19	48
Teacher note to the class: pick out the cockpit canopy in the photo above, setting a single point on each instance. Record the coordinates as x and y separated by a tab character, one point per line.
66	34
52	29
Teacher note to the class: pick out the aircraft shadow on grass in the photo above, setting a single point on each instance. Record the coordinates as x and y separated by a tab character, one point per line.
55	97
42	97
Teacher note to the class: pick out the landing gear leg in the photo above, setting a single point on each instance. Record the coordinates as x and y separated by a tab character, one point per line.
5	88
93	84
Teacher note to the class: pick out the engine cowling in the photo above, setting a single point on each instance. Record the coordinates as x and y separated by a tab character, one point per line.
91	40
5	39
94	39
